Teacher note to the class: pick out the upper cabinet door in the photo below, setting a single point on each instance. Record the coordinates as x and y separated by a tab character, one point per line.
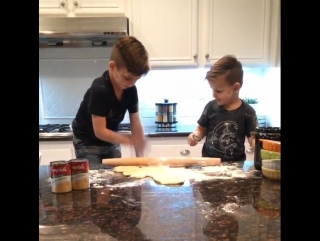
168	29
53	7
238	27
191	33
98	7
85	8
278	51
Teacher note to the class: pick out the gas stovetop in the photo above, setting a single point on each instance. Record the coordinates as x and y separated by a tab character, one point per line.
54	128
49	130
124	127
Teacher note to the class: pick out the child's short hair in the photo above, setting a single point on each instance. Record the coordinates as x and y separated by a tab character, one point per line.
128	52
229	67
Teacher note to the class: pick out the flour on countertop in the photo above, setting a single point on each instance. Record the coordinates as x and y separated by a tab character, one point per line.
105	177
165	174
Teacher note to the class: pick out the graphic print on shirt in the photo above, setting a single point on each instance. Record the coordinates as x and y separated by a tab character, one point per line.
223	138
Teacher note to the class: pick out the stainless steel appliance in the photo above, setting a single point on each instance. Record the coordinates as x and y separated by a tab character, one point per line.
166	116
81	31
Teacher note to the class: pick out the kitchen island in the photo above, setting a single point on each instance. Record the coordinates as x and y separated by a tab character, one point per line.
242	209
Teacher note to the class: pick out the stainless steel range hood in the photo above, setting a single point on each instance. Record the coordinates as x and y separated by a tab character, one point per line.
81	31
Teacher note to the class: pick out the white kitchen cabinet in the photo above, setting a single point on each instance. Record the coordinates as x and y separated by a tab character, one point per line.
175	151
64	150
168	29
275	34
172	147
127	151
157	147
53	7
239	27
55	151
197	33
74	8
278	54
190	33
178	147
278	49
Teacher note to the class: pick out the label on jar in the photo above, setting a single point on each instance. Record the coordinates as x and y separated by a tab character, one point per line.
159	117
165	118
80	174
60	177
171	108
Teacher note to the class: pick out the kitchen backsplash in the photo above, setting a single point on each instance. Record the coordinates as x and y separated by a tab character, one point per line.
65	75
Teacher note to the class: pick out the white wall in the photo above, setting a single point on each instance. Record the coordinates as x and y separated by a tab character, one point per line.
65	75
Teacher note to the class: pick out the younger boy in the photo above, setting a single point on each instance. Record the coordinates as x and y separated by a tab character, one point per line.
226	120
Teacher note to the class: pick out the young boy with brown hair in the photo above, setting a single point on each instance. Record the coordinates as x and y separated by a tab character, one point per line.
106	101
226	120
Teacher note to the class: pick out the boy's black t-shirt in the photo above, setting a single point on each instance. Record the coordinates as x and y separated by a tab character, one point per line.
100	99
226	130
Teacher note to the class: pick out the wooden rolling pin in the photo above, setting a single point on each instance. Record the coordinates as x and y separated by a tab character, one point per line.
165	161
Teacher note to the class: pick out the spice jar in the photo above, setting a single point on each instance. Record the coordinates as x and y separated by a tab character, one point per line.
159	117
165	118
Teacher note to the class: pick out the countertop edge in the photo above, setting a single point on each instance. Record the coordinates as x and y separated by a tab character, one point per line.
182	131
56	138
168	134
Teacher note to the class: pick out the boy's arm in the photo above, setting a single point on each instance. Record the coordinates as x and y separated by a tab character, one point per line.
199	133
203	123
251	125
135	122
97	109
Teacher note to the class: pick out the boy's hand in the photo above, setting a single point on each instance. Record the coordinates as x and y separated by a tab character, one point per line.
191	140
140	144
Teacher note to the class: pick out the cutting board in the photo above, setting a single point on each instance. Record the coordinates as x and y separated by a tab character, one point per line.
165	161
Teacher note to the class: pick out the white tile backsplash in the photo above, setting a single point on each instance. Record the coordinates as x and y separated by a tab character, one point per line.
65	76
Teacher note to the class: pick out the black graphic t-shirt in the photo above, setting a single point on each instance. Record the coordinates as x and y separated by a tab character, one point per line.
226	130
100	99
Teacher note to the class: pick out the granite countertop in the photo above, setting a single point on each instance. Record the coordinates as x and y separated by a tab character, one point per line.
150	131
234	209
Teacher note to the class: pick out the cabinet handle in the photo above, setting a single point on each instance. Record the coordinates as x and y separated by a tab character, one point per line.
62	4
76	3
185	152
195	56
207	56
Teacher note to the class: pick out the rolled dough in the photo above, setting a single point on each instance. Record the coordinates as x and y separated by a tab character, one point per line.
175	175
119	169
149	171
127	170
168	178
162	174
138	174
